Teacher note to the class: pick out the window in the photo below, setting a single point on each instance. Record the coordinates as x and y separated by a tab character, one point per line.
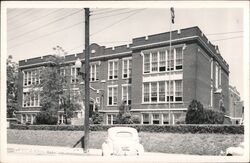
211	69
171	60
154	92
145	118
94	72
162	91
162	61
127	64
126	94
178	61
31	77
29	118
74	76
146	63
23	118
178	90
156	119
146	92
216	75
170	91
111	119
113	69
219	76
31	100
112	95
165	118
154	62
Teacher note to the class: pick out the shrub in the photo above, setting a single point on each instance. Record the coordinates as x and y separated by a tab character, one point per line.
196	114
124	116
136	119
185	128
97	118
46	118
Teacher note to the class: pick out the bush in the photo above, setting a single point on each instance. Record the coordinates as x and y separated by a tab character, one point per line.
191	128
46	118
136	119
196	114
124	116
97	118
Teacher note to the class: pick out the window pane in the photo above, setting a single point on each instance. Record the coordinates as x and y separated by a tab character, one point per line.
146	63
162	60
153	92
146	92
154	62
161	91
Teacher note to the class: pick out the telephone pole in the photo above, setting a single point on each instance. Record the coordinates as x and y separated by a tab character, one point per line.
86	117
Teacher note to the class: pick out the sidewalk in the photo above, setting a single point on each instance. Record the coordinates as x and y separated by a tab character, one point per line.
34	153
43	150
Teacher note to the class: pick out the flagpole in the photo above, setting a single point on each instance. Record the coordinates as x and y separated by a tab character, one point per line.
169	82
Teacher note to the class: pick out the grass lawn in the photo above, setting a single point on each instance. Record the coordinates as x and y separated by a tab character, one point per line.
198	144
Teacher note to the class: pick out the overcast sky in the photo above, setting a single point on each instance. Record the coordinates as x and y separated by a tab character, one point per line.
34	32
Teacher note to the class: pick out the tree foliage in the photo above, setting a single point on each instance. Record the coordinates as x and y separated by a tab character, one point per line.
12	79
124	116
197	114
56	93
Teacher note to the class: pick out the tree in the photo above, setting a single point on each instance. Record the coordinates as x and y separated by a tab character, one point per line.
56	90
196	114
12	78
124	115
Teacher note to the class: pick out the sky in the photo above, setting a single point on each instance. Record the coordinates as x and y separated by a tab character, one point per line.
34	32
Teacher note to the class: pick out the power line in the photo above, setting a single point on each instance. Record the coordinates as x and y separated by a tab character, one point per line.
227	38
37	19
106	12
224	33
115	14
116	22
18	14
48	34
45	25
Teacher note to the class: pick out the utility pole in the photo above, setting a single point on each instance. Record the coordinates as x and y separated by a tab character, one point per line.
86	117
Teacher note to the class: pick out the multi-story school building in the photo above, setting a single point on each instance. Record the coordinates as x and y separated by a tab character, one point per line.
158	82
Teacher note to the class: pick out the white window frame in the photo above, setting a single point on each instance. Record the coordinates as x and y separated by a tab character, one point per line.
31	76
112	116
95	77
73	75
113	69
167	50
166	92
216	75
128	60
30	100
112	95
128	94
153	114
142	119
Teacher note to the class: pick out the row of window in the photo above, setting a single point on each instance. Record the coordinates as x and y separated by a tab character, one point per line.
113	95
126	69
152	118
27	118
162	60
163	91
31	77
31	99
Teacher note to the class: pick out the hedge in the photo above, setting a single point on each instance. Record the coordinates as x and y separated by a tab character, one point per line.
183	128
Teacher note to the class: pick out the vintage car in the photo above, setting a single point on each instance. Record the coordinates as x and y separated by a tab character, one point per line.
235	151
122	141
